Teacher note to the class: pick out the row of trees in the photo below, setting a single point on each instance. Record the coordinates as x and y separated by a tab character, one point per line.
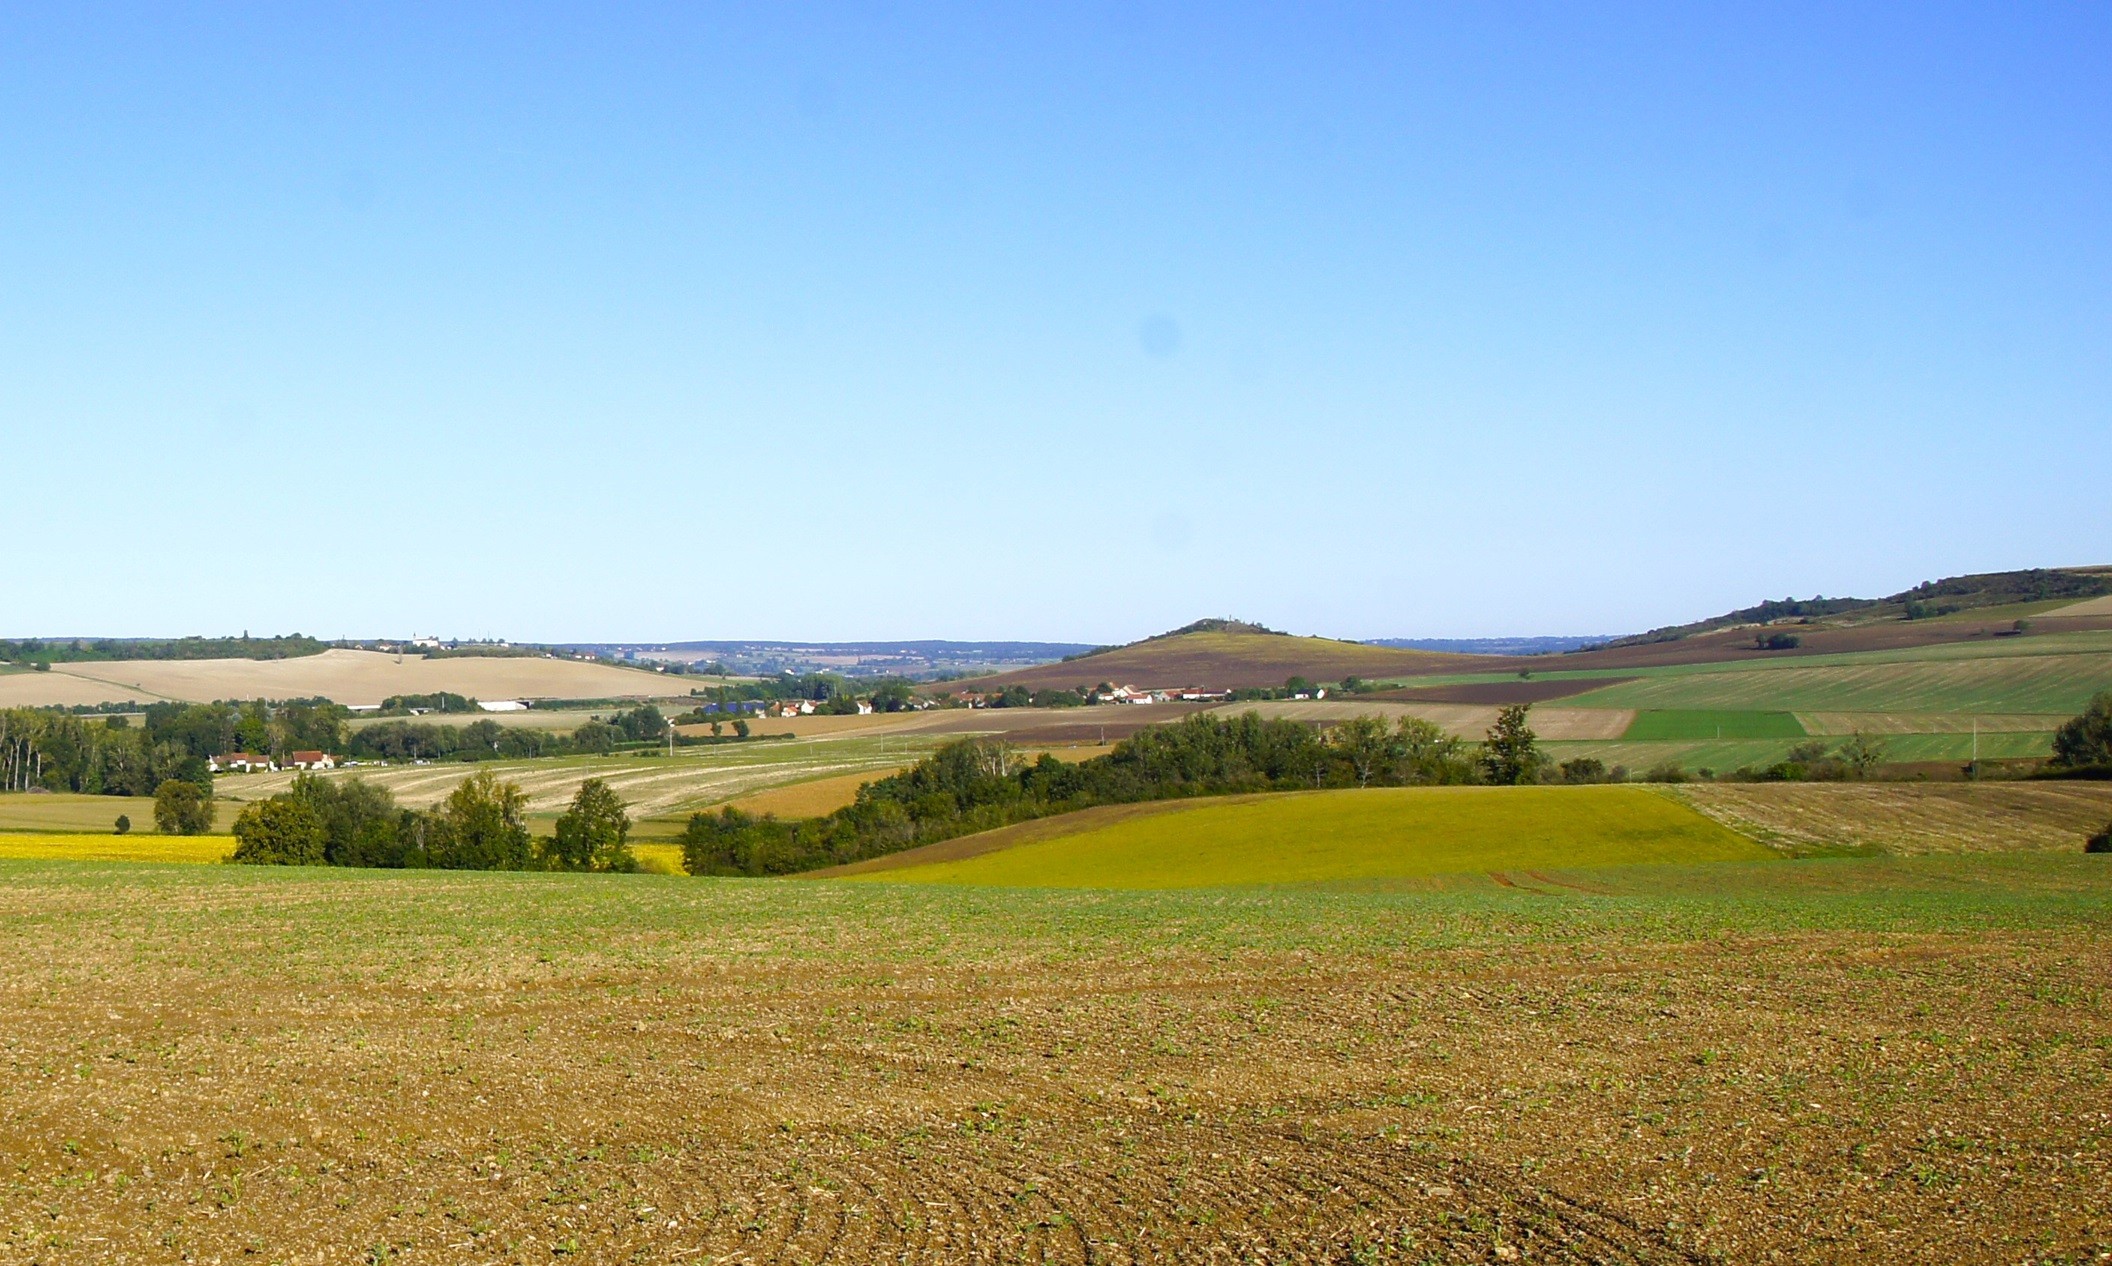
978	784
34	650
832	692
488	740
59	751
482	825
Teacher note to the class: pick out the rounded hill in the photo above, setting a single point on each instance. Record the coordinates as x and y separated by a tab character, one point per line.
1226	659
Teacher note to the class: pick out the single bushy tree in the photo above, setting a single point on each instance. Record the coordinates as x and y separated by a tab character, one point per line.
2087	739
594	834
182	808
480	826
279	832
1510	754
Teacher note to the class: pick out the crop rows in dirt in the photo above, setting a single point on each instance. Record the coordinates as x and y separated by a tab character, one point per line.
236	1066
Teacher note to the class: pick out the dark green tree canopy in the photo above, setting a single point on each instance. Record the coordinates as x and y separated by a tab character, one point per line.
279	832
594	834
1510	754
2086	740
183	808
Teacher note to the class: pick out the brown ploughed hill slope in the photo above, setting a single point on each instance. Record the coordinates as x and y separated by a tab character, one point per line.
1218	660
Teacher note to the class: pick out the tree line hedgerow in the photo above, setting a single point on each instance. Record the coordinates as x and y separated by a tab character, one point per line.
482	825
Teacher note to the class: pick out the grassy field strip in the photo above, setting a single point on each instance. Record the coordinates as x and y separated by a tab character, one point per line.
55	847
1840	723
1464	720
1661	725
1907	818
1759	753
2089	642
66	813
1998	684
1323	836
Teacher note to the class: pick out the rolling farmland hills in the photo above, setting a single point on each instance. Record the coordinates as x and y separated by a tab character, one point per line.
1224	661
345	676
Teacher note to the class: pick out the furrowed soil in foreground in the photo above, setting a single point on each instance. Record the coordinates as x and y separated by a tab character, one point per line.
1842	1060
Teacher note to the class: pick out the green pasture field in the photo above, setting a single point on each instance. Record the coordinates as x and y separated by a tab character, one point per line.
421	926
2088	657
69	814
2056	683
1325	836
1662	724
1729	754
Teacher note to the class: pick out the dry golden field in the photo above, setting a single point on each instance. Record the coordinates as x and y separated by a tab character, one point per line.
810	799
1847	1061
343	675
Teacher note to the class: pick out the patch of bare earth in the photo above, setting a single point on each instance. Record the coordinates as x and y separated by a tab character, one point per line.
1908	818
301	1070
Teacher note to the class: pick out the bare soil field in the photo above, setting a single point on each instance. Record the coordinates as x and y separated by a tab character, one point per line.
1225	661
1462	720
1907	818
1854	1061
341	675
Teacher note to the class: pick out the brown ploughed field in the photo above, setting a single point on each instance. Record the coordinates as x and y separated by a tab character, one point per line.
1833	1061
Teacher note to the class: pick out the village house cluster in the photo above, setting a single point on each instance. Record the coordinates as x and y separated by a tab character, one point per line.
252	763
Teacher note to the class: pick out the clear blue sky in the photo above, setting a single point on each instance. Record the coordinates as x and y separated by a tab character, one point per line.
824	322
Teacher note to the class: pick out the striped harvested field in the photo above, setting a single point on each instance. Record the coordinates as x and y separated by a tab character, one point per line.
654	786
1907	818
1841	723
2009	683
